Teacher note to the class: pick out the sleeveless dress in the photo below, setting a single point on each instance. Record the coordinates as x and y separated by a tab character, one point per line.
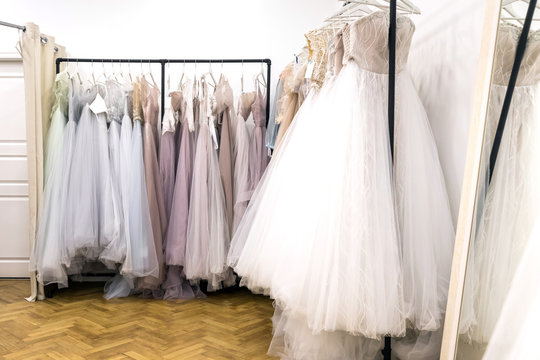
241	190
154	186
82	207
509	206
325	228
258	156
224	110
46	257
175	251
115	251
141	257
207	233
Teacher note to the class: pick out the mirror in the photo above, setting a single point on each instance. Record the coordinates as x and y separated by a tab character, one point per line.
500	201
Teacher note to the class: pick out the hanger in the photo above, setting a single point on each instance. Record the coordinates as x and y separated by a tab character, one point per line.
151	75
242	77
403	6
261	76
93	76
182	77
507	6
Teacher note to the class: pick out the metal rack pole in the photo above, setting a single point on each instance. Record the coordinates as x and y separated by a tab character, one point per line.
268	63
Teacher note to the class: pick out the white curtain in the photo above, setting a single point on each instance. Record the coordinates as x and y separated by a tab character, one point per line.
39	73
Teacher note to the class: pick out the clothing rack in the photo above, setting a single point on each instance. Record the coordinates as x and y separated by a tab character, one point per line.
163	62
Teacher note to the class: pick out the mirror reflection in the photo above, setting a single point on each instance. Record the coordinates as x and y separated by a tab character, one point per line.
508	194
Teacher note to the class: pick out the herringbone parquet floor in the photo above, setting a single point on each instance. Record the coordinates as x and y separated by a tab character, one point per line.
78	323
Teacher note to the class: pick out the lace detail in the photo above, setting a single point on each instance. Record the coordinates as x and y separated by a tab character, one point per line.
505	52
113	100
366	42
61	89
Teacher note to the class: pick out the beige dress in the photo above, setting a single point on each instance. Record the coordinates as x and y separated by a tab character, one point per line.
154	187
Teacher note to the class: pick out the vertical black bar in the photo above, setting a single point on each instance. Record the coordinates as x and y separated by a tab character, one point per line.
57	66
391	73
520	51
387	351
162	90
268	64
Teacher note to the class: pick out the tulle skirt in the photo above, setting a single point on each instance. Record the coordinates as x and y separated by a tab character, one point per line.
325	232
108	198
207	232
320	231
517	327
46	258
508	213
141	258
82	208
115	250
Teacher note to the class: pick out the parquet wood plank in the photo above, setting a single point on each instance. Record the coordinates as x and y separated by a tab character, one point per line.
78	323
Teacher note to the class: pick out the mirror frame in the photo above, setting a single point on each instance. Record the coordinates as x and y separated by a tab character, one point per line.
470	179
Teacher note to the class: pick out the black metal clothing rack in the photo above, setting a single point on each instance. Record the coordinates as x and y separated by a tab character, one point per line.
163	62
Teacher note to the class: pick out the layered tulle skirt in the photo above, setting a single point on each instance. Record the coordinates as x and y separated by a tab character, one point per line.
336	236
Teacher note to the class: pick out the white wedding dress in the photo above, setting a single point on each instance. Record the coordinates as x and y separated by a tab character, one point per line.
508	206
351	250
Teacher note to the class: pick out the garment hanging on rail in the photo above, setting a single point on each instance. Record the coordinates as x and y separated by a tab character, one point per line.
349	251
105	207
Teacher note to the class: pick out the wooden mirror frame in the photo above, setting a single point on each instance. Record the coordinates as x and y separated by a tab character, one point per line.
470	179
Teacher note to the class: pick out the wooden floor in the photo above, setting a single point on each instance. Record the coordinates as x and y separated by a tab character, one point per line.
78	323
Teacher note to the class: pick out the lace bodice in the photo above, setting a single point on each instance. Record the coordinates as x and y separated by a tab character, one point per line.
224	96
113	100
366	42
150	102
505	52
61	89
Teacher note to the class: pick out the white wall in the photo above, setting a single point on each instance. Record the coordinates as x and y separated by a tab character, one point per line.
176	29
443	62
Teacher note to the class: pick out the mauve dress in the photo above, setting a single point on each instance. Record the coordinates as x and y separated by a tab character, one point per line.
258	156
208	232
175	285
177	232
154	187
167	160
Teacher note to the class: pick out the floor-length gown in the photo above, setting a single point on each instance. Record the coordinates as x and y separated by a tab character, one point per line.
46	257
324	230
108	198
177	232
141	257
512	199
82	206
207	233
154	187
176	285
123	284
241	188
224	111
115	251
